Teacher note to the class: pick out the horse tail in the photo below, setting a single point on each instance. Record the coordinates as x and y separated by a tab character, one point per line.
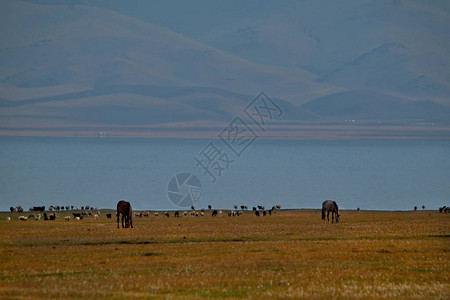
130	216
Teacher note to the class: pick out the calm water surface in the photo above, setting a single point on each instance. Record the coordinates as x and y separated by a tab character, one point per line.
295	174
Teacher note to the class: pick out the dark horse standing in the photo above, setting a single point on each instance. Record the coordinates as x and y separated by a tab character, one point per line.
124	208
330	206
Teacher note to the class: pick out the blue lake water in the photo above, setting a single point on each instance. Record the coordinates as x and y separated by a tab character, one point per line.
386	175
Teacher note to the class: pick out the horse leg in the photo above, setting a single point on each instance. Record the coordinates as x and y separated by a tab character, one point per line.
123	217
117	220
332	217
328	216
130	220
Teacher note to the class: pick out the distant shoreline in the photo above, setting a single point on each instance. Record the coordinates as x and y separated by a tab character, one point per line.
275	132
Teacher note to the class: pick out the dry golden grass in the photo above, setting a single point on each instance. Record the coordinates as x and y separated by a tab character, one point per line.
290	254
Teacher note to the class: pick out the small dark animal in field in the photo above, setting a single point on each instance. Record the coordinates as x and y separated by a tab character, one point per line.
415	208
444	209
76	215
124	209
19	209
214	213
278	206
167	214
254	208
176	214
108	216
330	206
12	209
192	207
50	217
264	213
256	213
209	206
423	206
358	209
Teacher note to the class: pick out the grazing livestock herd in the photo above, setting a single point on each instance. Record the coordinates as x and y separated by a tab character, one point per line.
125	212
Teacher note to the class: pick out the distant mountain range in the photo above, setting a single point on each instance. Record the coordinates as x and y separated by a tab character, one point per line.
106	63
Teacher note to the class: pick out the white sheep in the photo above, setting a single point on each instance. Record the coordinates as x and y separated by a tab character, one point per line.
67	218
77	218
96	216
8	219
23	218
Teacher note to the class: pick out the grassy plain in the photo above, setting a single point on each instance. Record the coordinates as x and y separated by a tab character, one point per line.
290	254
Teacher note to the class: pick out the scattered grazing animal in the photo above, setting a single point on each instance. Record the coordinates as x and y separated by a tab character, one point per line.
358	209
108	216
23	218
176	214
124	209
50	217
67	218
12	209
330	206
192	207
77	218
214	213
209	206
8	219
415	208
166	214
444	209
96	216
156	214
423	206
257	213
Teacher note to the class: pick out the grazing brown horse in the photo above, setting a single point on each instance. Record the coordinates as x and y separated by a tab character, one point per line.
330	206
124	209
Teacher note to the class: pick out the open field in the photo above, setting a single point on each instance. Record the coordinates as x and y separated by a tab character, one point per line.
289	254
